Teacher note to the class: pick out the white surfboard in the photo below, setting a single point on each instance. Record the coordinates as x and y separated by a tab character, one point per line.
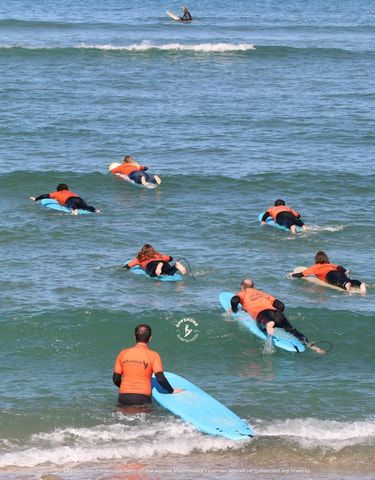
172	15
316	281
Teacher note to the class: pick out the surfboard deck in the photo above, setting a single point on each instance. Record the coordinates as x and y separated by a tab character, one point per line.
271	222
55	205
172	15
316	281
281	338
126	179
197	407
138	270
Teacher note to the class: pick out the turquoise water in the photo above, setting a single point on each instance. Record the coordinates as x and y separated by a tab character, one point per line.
248	103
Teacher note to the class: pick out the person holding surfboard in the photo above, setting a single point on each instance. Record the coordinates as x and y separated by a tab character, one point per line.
330	273
134	367
155	263
284	216
135	171
67	199
266	310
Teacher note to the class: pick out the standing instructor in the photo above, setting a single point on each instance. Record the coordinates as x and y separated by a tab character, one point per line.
134	368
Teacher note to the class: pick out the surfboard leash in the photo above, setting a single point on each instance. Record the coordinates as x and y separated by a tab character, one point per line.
188	264
319	342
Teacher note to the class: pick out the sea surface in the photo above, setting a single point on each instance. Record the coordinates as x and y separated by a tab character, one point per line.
251	102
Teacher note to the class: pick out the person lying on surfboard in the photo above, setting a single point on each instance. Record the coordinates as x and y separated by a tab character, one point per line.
266	310
135	171
67	199
155	263
330	273
134	367
284	216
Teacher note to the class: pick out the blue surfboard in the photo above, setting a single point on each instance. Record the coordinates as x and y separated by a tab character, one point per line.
280	339
271	222
200	409
55	205
138	270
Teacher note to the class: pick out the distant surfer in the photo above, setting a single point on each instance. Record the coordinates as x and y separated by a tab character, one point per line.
155	263
284	216
133	370
67	199
331	273
266	310
186	17
135	171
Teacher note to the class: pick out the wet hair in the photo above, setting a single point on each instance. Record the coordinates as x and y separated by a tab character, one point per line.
146	252
62	186
142	333
129	159
321	257
247	283
279	202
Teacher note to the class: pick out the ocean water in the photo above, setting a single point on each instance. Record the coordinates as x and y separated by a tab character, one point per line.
248	103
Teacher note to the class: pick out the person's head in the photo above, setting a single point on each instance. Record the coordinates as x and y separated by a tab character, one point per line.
321	257
130	160
142	333
247	283
185	9
147	251
62	186
279	202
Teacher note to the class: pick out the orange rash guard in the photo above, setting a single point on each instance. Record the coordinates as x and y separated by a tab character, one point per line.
254	301
136	365
162	258
321	270
274	211
127	168
62	196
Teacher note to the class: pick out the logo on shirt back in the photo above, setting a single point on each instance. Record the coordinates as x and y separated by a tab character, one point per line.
187	330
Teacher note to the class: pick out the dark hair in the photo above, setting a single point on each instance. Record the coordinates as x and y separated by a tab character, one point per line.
321	257
142	333
147	252
279	202
62	186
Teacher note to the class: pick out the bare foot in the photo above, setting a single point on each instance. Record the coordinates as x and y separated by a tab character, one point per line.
74	212
157	179
304	228
270	329
348	286
362	287
180	268
293	229
317	349
158	269
143	180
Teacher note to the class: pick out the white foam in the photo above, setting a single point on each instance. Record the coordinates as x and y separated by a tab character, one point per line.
201	47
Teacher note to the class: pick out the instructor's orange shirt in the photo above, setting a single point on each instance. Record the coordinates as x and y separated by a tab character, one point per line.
62	196
254	301
320	270
162	258
136	365
274	211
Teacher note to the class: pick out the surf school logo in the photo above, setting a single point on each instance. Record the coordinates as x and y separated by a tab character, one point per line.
187	330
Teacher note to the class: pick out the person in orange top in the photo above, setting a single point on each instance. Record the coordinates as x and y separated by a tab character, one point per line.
330	273
134	368
284	216
266	310
155	263
67	199
135	171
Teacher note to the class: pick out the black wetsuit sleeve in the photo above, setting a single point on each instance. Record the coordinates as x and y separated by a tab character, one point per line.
234	302
279	305
45	195
117	379
297	275
341	269
160	377
126	266
265	216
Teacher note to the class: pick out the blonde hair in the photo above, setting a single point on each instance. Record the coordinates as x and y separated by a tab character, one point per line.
128	159
147	252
